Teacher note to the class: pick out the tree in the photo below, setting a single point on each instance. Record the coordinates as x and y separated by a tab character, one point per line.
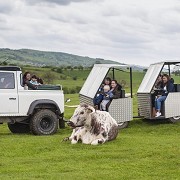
74	78
68	67
144	70
98	62
59	70
177	73
4	63
48	77
80	67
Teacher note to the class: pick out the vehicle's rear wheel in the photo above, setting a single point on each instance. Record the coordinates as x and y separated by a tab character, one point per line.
123	125
44	122
174	119
19	128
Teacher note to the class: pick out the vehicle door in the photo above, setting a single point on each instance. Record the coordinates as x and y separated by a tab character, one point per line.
8	93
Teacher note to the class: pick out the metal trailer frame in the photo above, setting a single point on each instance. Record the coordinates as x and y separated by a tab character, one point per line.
171	106
120	109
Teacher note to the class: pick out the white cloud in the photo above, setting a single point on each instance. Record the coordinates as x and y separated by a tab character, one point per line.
58	2
138	31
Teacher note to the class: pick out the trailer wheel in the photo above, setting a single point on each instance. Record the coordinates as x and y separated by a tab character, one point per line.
19	128
44	122
123	125
174	119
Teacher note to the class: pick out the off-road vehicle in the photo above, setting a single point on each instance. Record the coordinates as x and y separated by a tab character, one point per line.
39	111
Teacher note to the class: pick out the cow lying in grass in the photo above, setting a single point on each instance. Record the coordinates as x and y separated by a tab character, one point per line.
92	126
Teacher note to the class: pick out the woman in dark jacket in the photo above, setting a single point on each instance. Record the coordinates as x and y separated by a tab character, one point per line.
27	79
115	89
167	86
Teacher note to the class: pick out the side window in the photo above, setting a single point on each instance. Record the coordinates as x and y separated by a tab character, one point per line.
7	80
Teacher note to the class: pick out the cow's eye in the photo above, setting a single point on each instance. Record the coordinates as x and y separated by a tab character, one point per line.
82	112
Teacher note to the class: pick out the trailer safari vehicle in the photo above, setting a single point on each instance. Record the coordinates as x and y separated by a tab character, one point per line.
171	107
39	111
120	109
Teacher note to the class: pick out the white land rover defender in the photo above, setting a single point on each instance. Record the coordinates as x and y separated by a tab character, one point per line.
39	111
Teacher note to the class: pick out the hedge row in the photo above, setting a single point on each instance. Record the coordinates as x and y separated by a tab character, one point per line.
73	90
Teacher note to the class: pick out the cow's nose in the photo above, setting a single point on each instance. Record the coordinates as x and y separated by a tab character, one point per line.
70	123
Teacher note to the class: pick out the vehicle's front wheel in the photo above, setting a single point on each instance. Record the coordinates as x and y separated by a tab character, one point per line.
174	119
44	122
123	125
19	128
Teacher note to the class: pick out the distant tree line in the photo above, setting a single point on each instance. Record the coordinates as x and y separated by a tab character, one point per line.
176	73
49	75
63	67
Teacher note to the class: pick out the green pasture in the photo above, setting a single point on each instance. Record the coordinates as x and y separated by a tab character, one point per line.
146	150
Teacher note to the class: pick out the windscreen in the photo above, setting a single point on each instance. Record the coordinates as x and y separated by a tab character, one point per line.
94	81
150	78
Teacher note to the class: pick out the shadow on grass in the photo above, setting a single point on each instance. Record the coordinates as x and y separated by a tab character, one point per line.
156	121
149	122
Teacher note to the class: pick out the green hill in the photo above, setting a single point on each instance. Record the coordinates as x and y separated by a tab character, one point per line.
44	58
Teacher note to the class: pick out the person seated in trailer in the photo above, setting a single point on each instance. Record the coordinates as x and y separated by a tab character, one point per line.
154	93
26	78
116	89
39	80
107	95
167	86
34	81
99	97
158	82
26	81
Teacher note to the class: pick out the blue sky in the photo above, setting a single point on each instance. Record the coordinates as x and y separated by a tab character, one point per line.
129	31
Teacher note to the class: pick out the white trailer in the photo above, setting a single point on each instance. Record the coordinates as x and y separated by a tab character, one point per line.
120	109
171	107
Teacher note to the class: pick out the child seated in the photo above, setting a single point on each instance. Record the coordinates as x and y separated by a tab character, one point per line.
99	96
34	80
107	95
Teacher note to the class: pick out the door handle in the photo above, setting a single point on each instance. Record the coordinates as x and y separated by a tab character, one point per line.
12	98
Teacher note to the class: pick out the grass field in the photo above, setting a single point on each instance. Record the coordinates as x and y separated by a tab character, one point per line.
144	150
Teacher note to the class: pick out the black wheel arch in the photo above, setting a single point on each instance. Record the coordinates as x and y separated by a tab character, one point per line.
43	104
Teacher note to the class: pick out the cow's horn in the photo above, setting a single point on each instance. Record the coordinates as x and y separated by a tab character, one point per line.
91	108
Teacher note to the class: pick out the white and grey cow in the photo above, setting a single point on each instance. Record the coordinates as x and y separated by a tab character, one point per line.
92	126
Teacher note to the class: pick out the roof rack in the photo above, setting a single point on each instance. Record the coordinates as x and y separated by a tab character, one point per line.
10	68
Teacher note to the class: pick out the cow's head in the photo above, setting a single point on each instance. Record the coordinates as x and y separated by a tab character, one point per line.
81	114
